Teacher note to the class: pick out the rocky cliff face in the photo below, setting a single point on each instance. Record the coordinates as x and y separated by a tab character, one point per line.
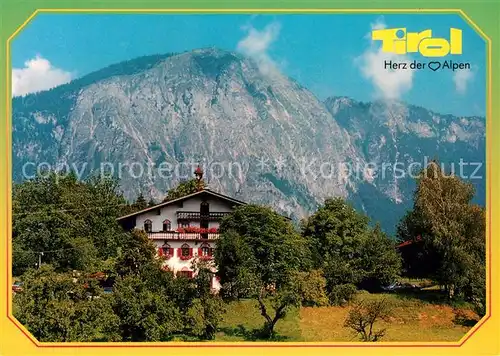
398	140
260	136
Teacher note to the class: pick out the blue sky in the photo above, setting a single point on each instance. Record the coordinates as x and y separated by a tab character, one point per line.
328	54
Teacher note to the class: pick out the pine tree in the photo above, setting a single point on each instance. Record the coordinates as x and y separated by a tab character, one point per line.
140	203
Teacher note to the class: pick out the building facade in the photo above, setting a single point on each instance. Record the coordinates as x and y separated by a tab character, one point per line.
184	229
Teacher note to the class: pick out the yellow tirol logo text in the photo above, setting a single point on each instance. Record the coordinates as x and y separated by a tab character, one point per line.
399	41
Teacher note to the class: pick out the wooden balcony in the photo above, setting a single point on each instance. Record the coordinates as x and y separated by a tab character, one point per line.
196	215
172	235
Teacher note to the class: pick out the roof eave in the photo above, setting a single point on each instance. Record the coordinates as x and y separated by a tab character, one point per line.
151	208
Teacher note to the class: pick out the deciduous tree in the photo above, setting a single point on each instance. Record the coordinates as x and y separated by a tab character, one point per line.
73	222
363	315
54	307
187	187
259	254
145	315
207	309
452	230
350	252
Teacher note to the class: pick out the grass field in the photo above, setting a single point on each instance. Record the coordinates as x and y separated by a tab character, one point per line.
414	319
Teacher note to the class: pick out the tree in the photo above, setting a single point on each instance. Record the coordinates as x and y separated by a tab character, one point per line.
336	233
185	188
335	224
140	203
145	315
258	255
22	259
137	254
350	252
76	230
279	299
54	307
381	262
185	306
418	261
207	309
475	286
72	221
312	287
363	315
452	230
233	265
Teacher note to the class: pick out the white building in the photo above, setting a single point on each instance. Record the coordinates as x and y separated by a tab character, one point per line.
184	229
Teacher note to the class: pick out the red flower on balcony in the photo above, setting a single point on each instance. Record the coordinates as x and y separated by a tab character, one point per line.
197	230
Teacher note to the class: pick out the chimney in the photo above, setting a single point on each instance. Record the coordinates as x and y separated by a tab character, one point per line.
199	177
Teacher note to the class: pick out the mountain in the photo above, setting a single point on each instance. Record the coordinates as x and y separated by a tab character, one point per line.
393	135
260	135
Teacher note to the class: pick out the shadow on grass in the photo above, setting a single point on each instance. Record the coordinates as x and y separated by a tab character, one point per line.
465	319
250	334
432	296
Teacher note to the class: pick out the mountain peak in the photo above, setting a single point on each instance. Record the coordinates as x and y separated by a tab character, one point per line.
345	100
216	52
271	138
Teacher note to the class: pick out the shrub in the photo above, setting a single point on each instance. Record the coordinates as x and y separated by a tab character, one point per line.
312	288
342	293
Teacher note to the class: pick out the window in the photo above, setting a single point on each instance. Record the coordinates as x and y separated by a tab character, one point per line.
206	250
184	224
166	251
167	226
148	226
185	250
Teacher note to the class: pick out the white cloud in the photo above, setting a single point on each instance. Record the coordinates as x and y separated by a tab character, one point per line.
379	24
462	78
388	84
256	44
37	75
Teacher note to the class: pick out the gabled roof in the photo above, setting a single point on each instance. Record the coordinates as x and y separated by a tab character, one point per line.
204	191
